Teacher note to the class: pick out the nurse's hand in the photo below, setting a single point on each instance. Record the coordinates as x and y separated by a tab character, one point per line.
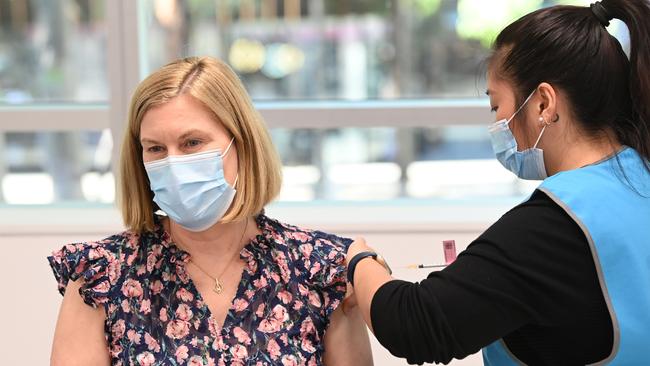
359	245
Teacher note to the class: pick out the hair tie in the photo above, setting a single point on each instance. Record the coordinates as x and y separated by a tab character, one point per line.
601	13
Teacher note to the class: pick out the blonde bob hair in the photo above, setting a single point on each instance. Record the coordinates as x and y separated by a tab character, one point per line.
214	84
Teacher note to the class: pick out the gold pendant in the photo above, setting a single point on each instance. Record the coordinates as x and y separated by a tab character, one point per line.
218	287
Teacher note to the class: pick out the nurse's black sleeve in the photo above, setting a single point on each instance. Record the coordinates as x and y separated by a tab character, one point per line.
533	266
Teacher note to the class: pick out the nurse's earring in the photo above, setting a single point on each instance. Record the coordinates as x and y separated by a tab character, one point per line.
556	118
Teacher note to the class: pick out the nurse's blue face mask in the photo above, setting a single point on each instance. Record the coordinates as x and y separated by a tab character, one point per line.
191	189
527	164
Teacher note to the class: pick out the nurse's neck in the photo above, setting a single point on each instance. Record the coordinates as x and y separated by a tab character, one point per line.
575	150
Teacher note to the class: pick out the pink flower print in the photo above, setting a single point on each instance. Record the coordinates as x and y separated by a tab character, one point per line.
194	342
332	254
285	339
163	315
240	305
102	287
152	344
314	299
145	359
183	312
141	270
126	307
195	361
145	306
312	361
249	294
315	268
307	327
285	296
242	336
131	258
114	271
151	261
260	310
116	349
269	326
181	353
260	283
239	352
184	295
307	346
211	361
306	250
273	348
304	291
72	248
156	287
299	235
118	329
133	336
219	344
177	329
132	288
275	277
280	313
289	360
297	305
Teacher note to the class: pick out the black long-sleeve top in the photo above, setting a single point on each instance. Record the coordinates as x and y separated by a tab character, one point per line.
529	279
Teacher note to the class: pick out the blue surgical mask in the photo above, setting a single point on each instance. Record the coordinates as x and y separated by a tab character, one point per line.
191	189
527	164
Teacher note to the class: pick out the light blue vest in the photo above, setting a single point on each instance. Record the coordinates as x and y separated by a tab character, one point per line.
616	222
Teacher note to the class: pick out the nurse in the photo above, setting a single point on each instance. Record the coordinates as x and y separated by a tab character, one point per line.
564	277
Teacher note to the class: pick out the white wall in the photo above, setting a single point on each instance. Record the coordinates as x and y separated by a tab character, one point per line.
27	236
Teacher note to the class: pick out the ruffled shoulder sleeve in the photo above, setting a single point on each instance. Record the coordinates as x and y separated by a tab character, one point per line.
319	262
99	265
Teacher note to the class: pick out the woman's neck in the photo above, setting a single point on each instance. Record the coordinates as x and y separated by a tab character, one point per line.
218	241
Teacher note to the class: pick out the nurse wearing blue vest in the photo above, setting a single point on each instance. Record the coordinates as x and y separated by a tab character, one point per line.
564	277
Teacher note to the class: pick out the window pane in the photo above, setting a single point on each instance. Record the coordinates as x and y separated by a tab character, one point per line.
52	51
367	164
51	167
338	49
349	164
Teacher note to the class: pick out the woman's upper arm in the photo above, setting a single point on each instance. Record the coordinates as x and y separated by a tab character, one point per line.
346	340
79	335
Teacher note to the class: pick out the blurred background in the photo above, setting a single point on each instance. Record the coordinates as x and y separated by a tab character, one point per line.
368	100
377	108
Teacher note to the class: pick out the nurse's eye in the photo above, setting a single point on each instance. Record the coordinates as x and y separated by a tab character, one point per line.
494	109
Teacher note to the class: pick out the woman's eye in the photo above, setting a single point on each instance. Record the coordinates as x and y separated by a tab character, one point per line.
193	143
494	109
155	149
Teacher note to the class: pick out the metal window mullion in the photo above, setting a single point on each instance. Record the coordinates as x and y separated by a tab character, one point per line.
123	65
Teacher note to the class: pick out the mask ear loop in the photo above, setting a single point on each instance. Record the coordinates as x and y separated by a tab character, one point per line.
226	153
521	106
228	148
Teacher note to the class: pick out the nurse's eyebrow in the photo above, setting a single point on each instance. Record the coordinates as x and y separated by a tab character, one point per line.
488	92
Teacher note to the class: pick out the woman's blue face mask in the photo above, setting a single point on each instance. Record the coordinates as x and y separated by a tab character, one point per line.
527	164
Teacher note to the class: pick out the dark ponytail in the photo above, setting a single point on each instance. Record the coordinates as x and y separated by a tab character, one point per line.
569	47
636	15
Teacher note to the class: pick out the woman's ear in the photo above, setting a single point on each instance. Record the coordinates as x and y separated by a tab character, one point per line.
547	106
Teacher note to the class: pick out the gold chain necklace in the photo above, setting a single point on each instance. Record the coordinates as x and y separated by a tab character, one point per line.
218	286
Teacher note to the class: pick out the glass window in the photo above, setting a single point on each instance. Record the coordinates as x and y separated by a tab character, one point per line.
365	164
49	167
338	49
52	51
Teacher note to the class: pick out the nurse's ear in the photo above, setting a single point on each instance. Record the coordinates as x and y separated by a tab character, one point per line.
547	103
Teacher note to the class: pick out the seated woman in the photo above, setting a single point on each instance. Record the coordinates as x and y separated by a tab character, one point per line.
212	280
